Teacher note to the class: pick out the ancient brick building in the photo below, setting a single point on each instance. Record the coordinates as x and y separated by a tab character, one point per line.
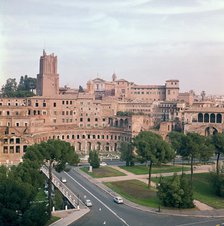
93	119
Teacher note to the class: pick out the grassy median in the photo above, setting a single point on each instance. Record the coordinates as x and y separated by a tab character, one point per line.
103	171
203	190
135	191
142	169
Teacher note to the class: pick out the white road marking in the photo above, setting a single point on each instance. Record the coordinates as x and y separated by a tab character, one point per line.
115	214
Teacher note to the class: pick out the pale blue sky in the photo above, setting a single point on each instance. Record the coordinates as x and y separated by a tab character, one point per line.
144	41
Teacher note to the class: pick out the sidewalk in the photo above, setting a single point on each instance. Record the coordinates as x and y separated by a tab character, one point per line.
69	216
205	211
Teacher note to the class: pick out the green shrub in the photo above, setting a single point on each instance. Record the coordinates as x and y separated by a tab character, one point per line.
176	192
94	160
217	181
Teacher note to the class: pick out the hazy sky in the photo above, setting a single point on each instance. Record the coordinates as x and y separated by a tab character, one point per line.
144	41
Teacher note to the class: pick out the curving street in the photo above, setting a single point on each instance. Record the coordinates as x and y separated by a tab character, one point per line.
105	212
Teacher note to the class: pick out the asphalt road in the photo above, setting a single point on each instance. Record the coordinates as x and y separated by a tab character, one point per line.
105	212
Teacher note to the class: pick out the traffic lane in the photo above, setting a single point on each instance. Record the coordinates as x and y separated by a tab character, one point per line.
134	215
98	214
100	205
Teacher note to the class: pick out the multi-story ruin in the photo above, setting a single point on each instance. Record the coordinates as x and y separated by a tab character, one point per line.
98	117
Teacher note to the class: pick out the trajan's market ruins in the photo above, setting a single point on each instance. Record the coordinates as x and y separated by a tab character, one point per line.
101	115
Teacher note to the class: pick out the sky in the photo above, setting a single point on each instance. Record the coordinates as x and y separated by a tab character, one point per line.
143	41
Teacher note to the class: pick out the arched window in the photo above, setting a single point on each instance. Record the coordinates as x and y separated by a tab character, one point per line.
206	119
219	118
200	117
121	122
212	118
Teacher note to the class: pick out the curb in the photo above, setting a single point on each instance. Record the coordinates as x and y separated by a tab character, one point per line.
142	208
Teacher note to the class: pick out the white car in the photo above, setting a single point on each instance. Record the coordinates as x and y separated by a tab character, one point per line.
63	180
103	164
88	203
118	200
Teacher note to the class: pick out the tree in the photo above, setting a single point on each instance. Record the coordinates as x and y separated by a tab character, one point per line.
24	89
94	160
153	149
15	199
127	153
191	146
9	89
81	90
218	142
53	154
27	84
217	181
176	192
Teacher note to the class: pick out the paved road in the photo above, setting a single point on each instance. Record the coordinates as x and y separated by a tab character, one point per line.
106	212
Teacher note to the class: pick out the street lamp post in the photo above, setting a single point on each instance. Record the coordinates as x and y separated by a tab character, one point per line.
159	208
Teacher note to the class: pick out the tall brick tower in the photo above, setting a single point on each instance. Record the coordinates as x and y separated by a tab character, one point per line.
48	79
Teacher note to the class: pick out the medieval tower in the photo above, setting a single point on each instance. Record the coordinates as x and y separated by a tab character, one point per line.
48	79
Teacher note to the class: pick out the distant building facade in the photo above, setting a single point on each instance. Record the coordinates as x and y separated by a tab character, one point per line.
100	117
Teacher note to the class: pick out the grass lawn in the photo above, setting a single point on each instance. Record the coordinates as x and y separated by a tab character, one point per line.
142	169
135	191
103	171
203	190
52	220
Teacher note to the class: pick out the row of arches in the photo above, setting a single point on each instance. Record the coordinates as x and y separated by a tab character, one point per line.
115	122
86	147
209	118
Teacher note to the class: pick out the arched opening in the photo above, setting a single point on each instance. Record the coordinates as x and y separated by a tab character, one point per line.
126	122
111	121
200	117
98	146
219	118
210	131
212	118
206	119
89	146
116	123
121	122
115	147
79	146
107	147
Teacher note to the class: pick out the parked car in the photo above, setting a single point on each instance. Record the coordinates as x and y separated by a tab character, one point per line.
103	164
88	203
63	180
118	200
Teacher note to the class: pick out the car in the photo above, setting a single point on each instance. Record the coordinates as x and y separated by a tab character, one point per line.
118	200
63	180
88	203
103	164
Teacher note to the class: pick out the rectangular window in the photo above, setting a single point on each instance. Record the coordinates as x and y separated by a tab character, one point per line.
11	149
5	149
54	104
17	149
24	148
17	140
